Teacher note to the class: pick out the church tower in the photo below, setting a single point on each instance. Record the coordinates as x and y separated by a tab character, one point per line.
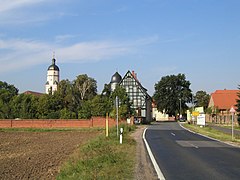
115	80
52	77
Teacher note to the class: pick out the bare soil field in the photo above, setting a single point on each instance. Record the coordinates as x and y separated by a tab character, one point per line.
38	155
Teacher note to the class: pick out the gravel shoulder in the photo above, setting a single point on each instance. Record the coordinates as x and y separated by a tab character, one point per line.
143	168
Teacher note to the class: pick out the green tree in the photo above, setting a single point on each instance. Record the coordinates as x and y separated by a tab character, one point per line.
106	90
125	109
100	105
7	92
85	87
201	99
49	107
85	111
172	93
24	106
67	114
65	93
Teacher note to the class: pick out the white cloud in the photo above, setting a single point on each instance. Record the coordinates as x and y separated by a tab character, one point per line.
17	54
18	12
8	5
61	38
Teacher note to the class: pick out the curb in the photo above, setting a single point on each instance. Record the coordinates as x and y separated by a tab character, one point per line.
154	162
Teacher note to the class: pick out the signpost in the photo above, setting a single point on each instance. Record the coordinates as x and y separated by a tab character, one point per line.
117	102
195	114
232	110
201	120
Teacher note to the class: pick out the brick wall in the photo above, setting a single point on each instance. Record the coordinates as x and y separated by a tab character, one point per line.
56	123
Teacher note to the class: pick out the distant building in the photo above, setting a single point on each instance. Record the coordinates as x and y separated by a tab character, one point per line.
52	77
223	100
139	98
158	115
33	93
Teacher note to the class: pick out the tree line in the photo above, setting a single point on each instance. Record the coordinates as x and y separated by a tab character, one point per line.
77	99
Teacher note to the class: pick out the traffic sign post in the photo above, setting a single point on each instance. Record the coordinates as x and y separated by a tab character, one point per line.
195	114
232	110
117	104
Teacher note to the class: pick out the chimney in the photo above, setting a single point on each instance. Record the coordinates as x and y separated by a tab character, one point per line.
134	75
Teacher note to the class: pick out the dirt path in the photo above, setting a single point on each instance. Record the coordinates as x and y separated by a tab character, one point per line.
144	168
37	155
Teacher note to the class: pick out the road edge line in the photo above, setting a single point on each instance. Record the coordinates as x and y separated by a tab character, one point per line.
154	162
208	136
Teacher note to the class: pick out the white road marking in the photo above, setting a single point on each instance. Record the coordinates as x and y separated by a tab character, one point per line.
192	145
173	134
157	168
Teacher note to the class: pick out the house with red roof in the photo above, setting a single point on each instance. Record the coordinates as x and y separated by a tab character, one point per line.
33	93
223	100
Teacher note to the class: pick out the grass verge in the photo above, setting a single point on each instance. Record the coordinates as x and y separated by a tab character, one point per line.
103	158
229	126
208	131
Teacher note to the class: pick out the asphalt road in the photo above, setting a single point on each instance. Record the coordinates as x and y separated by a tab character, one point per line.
181	154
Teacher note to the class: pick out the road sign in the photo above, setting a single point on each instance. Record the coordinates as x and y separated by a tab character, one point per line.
195	113
201	120
232	110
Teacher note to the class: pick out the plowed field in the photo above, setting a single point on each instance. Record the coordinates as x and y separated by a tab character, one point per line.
37	155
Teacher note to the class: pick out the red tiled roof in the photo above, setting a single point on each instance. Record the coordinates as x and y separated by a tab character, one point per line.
33	93
225	99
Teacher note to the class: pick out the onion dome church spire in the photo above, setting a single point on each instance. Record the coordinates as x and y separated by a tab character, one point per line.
52	77
115	80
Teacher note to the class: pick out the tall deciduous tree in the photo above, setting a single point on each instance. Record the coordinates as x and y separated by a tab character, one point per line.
85	86
201	99
7	92
66	93
172	93
24	106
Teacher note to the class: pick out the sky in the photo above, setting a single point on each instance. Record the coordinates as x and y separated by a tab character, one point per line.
155	38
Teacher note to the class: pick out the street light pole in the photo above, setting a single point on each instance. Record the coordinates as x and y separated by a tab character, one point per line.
180	104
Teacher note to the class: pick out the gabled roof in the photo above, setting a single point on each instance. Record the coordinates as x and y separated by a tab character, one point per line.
133	75
224	99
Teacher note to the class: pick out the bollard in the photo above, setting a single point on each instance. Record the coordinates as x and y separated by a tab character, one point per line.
121	135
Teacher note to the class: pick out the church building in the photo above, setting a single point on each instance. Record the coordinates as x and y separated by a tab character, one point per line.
139	98
52	77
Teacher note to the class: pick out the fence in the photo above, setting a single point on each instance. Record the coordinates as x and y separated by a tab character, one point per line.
222	119
57	123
